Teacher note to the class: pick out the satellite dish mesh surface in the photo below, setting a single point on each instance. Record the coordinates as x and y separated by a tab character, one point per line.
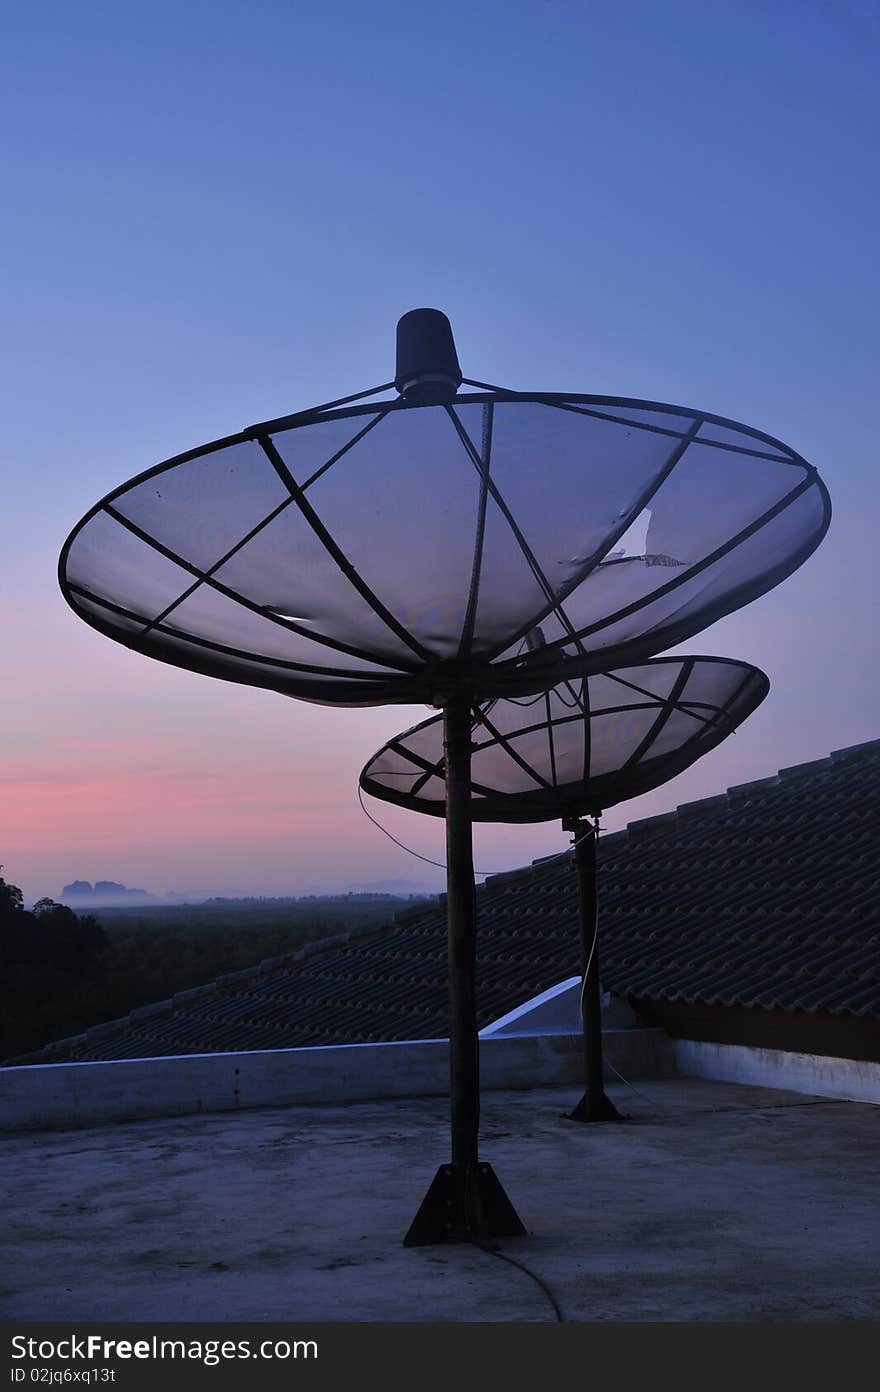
580	748
493	542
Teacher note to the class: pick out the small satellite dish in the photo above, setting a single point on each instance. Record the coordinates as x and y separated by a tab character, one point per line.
572	753
578	749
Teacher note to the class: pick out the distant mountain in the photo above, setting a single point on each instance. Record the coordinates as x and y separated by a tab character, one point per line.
82	895
104	894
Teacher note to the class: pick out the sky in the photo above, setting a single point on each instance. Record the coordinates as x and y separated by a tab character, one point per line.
215	213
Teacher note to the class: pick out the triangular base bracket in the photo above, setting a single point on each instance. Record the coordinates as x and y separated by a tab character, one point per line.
464	1204
599	1108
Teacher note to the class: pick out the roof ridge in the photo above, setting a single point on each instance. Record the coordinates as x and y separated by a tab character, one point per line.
852	751
508	876
773	780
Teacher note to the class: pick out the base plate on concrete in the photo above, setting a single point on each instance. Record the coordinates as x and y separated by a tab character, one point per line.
599	1108
464	1204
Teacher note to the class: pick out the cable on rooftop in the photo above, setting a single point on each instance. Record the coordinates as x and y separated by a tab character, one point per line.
441	864
607	1061
595	833
631	1086
539	1281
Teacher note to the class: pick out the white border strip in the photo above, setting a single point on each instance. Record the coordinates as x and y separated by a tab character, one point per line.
532	1019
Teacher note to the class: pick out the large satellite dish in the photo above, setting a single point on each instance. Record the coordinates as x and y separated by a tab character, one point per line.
445	547
367	553
572	753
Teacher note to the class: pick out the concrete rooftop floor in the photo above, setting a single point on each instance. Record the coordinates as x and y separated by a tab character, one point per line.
713	1202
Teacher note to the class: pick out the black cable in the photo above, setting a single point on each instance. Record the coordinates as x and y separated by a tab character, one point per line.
441	864
595	833
512	1261
385	832
631	1087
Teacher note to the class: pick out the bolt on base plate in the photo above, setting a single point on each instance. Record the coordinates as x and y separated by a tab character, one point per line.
464	1203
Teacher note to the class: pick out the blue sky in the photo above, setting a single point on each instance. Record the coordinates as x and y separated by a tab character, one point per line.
215	214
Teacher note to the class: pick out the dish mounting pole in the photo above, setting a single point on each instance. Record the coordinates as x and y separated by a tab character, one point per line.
594	1105
465	1201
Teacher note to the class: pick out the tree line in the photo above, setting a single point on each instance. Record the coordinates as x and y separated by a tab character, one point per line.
62	971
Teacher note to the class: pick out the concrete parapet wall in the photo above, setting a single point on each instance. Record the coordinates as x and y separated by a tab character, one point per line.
60	1095
854	1080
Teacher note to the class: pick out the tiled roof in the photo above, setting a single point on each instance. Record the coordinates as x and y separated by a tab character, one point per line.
765	896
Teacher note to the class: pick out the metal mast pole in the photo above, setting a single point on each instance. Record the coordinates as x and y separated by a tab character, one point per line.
594	1105
464	1058
465	1201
